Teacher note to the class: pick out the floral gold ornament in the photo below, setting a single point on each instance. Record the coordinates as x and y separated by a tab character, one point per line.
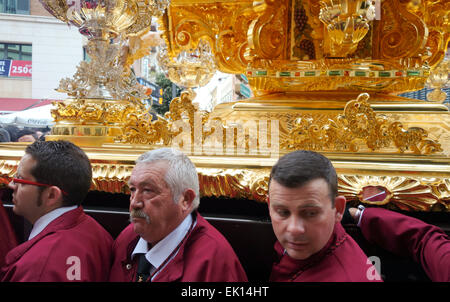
358	122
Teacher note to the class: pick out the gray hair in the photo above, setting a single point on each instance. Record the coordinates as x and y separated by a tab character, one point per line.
181	173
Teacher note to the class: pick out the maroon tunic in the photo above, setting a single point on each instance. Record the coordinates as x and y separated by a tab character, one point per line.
8	239
407	236
205	256
341	260
73	247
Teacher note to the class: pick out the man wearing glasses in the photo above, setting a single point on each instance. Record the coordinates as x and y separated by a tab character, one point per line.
65	244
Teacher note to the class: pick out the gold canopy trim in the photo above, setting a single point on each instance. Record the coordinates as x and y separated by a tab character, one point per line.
411	184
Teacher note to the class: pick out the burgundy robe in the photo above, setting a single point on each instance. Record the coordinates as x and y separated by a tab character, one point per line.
8	239
407	236
341	260
73	247
205	256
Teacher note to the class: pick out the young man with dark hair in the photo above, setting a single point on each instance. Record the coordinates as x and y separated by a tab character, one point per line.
65	244
306	211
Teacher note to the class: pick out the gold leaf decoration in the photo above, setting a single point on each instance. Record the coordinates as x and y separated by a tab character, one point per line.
359	122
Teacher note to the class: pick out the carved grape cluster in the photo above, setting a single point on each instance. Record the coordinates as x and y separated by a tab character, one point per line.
300	18
308	47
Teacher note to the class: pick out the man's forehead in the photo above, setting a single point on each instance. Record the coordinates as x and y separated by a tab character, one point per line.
309	192
26	163
150	172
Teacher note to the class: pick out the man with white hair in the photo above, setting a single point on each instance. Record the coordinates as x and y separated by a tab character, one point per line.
168	240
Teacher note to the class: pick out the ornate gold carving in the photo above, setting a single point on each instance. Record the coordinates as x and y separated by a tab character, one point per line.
436	15
7	170
112	178
87	111
260	39
275	35
246	184
140	130
402	192
268	31
358	122
401	34
441	189
405	193
189	24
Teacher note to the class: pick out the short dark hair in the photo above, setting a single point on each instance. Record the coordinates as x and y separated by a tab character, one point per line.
299	167
62	164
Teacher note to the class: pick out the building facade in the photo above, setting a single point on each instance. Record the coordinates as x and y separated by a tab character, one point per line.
36	51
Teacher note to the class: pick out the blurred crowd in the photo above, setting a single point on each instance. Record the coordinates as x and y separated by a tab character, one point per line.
11	133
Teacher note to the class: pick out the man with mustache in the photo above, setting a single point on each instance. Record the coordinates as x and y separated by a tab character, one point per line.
168	240
306	212
65	244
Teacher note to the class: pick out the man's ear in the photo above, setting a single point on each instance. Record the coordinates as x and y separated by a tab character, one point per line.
53	197
187	199
339	204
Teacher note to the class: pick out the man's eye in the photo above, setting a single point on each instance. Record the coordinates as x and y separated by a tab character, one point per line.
310	214
283	213
132	189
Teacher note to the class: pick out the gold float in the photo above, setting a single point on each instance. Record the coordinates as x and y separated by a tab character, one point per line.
326	77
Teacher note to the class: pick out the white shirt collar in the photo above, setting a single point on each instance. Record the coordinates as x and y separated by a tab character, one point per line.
45	220
158	253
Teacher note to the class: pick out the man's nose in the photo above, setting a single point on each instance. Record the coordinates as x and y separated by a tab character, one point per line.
296	226
136	201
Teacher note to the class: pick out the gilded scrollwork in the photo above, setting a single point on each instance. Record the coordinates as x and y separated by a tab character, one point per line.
234	183
140	129
436	15
87	111
227	36
359	122
400	32
266	34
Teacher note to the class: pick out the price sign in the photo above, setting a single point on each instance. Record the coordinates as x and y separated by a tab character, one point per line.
20	69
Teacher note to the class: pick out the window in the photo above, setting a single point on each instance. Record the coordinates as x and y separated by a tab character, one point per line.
21	7
12	51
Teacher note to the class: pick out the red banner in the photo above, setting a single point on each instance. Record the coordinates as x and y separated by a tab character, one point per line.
20	69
